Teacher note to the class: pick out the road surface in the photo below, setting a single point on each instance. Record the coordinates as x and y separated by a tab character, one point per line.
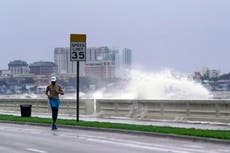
15	138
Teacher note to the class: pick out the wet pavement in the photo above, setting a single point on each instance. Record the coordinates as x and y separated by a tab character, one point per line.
17	138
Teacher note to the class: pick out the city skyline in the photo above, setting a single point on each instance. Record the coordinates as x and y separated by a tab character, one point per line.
181	35
101	62
73	67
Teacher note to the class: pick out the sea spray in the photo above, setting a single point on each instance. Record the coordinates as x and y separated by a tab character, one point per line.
165	84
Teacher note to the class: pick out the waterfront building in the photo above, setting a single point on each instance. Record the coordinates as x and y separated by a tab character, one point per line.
100	70
5	73
43	68
210	73
213	73
197	76
18	67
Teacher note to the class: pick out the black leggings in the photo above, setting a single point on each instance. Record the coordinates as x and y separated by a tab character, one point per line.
54	114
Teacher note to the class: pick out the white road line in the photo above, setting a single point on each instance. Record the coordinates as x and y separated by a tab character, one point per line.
36	150
224	150
3	148
193	146
159	147
138	146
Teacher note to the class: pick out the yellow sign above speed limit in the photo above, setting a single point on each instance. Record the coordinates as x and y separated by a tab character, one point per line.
77	47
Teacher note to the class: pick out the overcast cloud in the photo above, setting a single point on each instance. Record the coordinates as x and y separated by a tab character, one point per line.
184	35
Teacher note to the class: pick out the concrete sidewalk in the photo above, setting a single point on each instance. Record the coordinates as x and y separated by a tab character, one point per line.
181	124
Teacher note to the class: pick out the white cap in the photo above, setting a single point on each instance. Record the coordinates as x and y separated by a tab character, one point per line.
53	78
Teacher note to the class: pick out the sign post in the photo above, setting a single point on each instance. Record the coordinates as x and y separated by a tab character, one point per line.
77	53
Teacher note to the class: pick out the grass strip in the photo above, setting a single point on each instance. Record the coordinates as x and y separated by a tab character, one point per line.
218	134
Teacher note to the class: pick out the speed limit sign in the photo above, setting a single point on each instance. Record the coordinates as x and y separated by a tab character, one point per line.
77	47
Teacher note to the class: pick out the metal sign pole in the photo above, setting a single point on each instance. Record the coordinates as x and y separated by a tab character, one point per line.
77	91
77	53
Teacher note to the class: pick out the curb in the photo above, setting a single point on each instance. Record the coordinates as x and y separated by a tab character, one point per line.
175	121
155	134
160	135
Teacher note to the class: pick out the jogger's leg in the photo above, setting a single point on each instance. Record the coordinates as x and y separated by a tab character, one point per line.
54	114
54	117
52	108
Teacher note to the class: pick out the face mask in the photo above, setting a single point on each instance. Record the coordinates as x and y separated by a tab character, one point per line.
53	82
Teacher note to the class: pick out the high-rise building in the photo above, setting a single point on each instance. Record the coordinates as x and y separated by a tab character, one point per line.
61	59
18	67
127	57
99	54
123	60
65	65
101	62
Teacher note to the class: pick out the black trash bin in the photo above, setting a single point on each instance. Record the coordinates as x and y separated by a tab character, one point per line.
25	110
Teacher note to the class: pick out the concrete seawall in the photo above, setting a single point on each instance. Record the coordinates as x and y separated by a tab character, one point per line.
67	107
179	110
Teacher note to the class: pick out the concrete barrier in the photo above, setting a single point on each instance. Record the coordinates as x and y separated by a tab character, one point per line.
41	106
179	110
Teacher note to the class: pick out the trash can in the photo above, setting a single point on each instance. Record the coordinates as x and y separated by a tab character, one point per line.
25	110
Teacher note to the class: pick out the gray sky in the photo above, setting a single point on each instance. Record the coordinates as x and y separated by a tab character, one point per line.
184	35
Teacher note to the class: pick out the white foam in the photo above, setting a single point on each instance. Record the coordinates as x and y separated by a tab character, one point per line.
158	85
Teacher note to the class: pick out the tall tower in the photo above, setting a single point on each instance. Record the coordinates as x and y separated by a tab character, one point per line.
123	60
61	59
65	66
